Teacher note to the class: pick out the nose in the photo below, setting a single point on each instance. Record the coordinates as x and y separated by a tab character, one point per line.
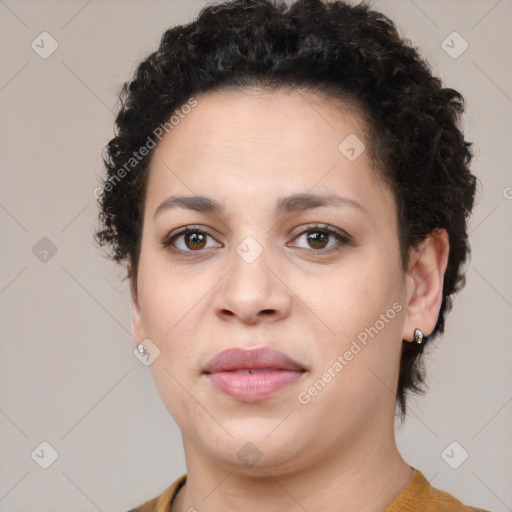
253	292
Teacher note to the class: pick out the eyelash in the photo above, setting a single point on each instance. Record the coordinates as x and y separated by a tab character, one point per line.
325	229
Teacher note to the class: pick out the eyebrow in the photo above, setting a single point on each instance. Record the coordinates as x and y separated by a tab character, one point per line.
285	205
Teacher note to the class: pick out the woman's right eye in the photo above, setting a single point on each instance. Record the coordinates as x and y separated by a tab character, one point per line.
187	240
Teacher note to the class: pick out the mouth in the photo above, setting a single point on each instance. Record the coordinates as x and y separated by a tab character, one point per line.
252	375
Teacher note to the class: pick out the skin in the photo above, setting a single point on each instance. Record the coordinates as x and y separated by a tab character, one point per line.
246	150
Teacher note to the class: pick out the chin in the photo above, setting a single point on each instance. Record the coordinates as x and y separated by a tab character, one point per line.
257	447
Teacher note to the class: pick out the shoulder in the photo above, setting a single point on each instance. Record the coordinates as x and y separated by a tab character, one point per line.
162	502
441	501
420	495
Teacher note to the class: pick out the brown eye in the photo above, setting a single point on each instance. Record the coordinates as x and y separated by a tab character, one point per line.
187	240
319	237
194	240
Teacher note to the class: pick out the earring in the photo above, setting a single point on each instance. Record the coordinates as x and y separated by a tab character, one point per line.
418	336
142	349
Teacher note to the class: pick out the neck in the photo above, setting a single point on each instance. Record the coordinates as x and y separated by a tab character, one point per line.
364	476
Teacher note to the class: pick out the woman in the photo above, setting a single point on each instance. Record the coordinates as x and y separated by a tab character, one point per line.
290	188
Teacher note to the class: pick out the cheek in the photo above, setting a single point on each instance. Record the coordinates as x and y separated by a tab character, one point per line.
172	312
172	388
364	309
353	299
165	295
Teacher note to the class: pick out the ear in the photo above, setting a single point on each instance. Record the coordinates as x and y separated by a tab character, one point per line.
137	327
424	284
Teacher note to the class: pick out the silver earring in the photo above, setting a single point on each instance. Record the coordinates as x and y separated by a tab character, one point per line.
418	336
142	349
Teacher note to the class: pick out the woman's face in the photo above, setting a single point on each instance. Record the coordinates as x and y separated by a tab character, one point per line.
257	276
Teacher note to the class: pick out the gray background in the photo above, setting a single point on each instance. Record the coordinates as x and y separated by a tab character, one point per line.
68	375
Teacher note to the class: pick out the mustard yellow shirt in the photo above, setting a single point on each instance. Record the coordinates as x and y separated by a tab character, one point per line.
418	496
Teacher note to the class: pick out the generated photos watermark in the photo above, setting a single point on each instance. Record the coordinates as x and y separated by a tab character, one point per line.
304	397
143	151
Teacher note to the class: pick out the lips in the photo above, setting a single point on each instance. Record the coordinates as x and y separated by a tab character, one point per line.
252	375
235	359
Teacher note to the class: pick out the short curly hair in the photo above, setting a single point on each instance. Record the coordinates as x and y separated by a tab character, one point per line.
348	52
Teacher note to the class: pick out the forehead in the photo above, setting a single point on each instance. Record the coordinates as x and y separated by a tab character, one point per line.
252	116
263	143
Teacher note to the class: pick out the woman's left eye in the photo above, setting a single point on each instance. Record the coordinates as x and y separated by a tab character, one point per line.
318	236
